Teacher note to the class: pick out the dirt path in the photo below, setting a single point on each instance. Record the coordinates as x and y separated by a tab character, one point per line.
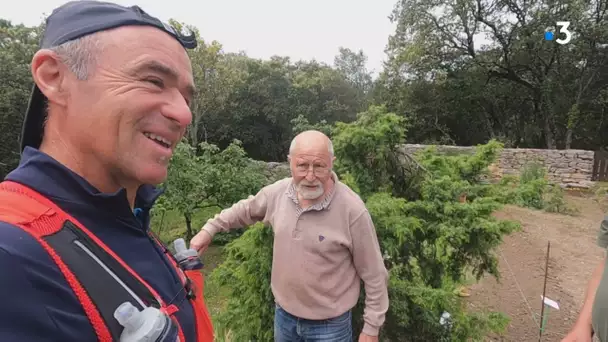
573	257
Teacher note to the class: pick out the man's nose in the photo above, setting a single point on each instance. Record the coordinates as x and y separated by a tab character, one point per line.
178	110
310	176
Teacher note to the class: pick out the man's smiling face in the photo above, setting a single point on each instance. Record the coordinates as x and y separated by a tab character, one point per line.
134	108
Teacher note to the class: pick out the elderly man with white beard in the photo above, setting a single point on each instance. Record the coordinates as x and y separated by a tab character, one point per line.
324	245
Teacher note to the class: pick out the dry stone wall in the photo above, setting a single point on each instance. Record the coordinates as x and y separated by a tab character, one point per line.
276	171
568	168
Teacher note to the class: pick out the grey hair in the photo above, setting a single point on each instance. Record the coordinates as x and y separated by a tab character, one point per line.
330	146
80	55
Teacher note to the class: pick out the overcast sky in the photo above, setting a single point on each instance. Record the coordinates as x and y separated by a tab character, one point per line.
312	29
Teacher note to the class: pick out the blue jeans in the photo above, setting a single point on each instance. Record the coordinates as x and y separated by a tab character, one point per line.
289	328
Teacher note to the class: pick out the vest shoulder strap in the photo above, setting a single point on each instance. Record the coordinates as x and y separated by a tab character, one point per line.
100	279
19	206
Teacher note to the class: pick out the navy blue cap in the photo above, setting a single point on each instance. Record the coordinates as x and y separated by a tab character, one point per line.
74	20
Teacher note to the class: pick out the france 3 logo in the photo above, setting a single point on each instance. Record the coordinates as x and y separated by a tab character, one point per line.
562	30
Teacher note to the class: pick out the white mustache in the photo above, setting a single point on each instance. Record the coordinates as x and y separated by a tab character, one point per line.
317	183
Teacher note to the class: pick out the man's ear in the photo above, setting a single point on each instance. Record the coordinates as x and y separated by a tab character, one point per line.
49	73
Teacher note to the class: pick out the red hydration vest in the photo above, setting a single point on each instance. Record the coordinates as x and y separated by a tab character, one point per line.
99	278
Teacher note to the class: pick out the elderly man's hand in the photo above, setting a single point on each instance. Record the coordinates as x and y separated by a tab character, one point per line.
201	241
367	338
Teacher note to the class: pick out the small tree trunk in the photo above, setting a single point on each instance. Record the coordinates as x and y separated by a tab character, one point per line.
568	138
188	227
463	198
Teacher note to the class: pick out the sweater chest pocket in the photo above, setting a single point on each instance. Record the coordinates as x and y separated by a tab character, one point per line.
325	245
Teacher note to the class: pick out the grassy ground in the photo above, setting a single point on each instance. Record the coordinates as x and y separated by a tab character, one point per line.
215	296
170	225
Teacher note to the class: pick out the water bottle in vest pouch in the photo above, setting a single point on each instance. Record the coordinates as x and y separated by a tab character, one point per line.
148	325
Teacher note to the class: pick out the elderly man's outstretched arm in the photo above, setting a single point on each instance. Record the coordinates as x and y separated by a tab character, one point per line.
243	213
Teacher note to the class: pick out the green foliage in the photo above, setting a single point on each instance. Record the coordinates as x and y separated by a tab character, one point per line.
17	46
182	184
531	172
430	237
446	238
415	313
471	168
212	178
459	92
366	149
555	202
301	124
532	190
249	314
600	194
432	242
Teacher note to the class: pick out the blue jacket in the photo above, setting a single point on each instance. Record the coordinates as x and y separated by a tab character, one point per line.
37	303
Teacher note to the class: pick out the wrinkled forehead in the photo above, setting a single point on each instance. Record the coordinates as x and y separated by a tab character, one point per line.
129	43
312	157
138	50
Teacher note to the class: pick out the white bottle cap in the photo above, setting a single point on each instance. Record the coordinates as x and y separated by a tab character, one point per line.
181	252
128	316
140	326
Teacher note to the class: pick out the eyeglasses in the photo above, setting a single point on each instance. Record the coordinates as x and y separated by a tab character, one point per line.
318	170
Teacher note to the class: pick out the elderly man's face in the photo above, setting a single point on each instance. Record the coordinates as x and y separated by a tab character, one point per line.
134	108
311	169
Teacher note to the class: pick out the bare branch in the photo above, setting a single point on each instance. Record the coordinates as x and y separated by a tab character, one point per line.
451	38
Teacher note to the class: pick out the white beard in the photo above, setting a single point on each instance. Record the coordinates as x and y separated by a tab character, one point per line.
310	194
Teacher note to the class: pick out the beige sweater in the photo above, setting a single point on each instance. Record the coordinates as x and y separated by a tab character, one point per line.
320	253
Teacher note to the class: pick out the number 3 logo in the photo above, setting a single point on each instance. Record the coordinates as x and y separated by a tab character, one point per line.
563	28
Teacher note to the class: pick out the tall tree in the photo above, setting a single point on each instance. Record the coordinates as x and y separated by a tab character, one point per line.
352	65
18	44
434	40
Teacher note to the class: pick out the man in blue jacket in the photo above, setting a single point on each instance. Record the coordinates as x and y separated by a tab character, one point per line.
110	103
